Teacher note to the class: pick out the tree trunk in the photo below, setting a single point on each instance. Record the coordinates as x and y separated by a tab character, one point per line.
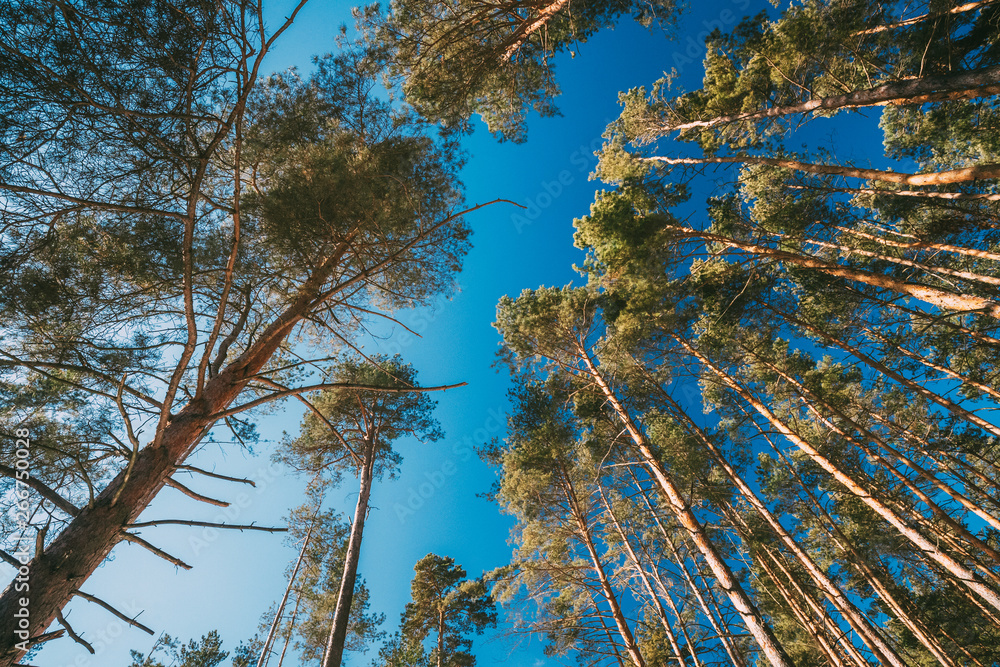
967	7
936	297
868	634
606	589
947	404
291	629
440	638
810	625
891	600
644	577
266	650
341	616
724	635
86	542
920	245
919	90
963	175
929	549
724	575
926	194
811	401
529	26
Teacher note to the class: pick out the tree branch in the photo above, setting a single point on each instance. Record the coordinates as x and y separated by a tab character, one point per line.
43	490
197	496
131	537
208	524
216	475
102	603
330	385
69	630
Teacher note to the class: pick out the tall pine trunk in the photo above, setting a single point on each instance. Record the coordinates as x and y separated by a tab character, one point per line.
752	618
919	90
334	652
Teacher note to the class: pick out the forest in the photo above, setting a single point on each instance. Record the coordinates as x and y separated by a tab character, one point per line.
444	333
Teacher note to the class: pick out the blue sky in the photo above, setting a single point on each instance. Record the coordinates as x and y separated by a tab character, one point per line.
432	506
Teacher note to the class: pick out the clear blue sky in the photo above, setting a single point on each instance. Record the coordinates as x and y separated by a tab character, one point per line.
236	576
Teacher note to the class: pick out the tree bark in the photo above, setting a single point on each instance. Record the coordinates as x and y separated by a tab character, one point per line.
930	549
964	175
338	628
967	7
631	647
266	650
525	30
644	577
86	542
755	623
895	605
919	90
724	635
931	295
841	602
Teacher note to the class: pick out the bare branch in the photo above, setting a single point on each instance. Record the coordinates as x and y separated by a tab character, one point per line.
69	630
206	524
131	537
43	490
193	494
330	385
102	603
216	475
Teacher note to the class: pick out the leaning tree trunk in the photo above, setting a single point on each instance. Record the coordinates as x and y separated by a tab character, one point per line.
932	295
338	628
868	634
644	577
928	548
963	175
85	543
607	591
724	633
748	612
920	90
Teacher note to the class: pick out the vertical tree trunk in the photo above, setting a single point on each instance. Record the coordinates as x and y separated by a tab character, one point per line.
631	647
334	652
291	629
440	638
644	577
266	650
